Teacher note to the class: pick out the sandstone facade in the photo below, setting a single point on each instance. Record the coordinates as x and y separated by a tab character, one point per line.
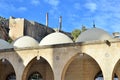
73	61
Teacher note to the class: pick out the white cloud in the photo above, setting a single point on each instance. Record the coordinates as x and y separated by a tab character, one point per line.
53	10
108	15
77	6
22	9
105	13
91	6
52	2
35	2
7	7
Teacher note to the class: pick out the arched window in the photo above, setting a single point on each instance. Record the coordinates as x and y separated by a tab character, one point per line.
99	76
11	76
35	76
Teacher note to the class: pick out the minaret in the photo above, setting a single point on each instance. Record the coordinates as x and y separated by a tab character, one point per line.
47	19
60	22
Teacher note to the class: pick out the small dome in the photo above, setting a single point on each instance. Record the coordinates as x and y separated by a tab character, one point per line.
25	41
93	34
4	44
55	38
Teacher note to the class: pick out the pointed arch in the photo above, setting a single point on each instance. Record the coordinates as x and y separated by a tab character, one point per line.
6	69
73	66
116	71
41	66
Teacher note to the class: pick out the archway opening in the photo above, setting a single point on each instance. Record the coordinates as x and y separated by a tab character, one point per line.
6	70
82	67
116	71
38	69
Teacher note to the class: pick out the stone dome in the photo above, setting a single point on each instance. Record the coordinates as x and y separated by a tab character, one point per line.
25	41
55	38
4	44
93	34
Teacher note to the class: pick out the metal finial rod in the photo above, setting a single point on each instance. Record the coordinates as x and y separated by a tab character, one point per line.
94	24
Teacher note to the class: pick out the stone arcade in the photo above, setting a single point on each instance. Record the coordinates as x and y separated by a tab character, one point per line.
94	56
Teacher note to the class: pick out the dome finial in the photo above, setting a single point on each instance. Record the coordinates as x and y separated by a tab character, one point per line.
94	24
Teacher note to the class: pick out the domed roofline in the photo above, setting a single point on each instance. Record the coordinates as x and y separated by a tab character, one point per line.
93	34
4	44
25	41
55	38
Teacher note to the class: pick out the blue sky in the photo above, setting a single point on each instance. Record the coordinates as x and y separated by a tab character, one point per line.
75	13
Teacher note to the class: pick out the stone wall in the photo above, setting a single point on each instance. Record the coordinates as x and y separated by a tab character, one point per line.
16	26
36	30
20	27
4	29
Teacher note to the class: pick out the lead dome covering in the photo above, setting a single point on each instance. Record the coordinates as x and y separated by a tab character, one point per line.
55	38
25	41
93	34
4	44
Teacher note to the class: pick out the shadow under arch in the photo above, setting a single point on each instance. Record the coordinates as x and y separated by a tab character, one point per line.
116	71
35	76
77	66
99	76
6	69
39	65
